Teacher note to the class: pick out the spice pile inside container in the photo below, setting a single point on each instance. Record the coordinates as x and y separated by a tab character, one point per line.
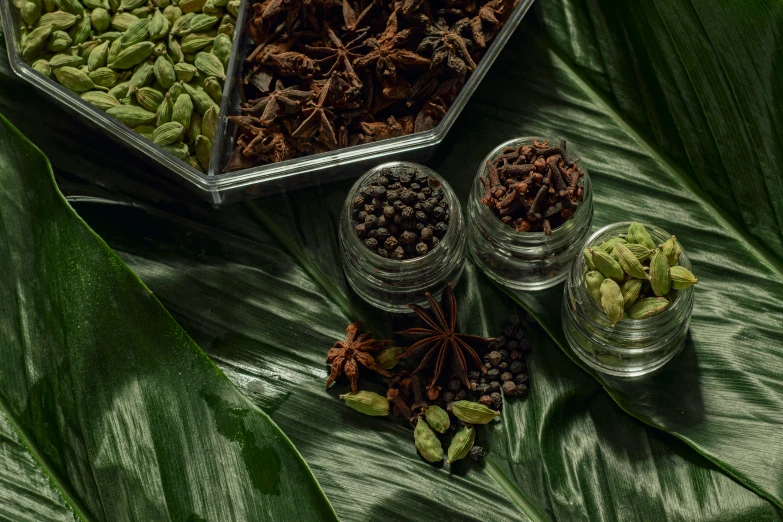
443	383
330	74
156	66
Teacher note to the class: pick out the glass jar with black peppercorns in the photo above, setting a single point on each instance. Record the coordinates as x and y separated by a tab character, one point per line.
402	235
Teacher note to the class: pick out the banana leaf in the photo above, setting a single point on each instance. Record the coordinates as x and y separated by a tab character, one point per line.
647	93
122	412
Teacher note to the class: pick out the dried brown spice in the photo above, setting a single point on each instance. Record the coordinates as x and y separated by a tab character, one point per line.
358	348
442	342
329	74
533	188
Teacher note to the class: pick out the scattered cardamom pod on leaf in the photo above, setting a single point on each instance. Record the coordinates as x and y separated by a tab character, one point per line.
461	444
369	403
427	442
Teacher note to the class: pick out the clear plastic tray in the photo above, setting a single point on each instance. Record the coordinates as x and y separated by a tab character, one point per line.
219	188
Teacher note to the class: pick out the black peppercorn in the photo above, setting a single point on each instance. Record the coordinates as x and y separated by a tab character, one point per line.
494	386
486	400
487	365
493	374
482	388
504	354
474	375
421	249
441	228
476	453
506	376
497	400
509	389
495	358
448	396
454	385
371	243
516	367
522	378
461	395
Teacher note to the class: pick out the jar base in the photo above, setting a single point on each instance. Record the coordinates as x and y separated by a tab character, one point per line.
631	371
527	286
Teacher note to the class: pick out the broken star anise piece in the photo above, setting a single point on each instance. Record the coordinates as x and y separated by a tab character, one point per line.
281	101
441	340
358	348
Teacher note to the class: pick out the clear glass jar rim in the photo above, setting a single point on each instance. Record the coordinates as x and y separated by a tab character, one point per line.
683	303
418	263
498	227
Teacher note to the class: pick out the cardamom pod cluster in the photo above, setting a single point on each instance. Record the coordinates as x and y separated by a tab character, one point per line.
157	66
628	276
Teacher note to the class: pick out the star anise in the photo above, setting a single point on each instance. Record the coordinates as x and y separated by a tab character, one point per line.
387	53
342	54
441	339
358	348
280	101
448	47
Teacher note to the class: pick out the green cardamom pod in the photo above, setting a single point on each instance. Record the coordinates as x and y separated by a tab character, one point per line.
184	71
161	49
176	91
74	79
211	8
183	111
164	110
179	150
681	277
97	4
203	150
607	265
181	25
437	418
81	30
141	78
638	234
122	21
131	115
671	248
97	57
193	162
194	129
227	29
612	301
136	33
191	6
65	60
190	58
631	290
161	4
213	87
640	252
233	7
133	55
103	77
35	42
100	19
99	99
660	280
130	5
43	67
608	245
202	22
109	35
114	5
473	412
593	280
143	11
220	3
164	72
172	13
369	403
175	51
209	123
221	48
114	50
58	20
120	90
168	133
427	442
70	6
588	257
193	43
386	358
149	98
209	65
628	261
648	307
30	11
159	26
58	41
84	49
461	444
201	100
49	6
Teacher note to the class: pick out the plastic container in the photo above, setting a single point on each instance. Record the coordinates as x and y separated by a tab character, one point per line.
391	284
634	346
525	260
219	188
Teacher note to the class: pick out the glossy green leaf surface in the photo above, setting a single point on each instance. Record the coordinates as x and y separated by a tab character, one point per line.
673	112
126	416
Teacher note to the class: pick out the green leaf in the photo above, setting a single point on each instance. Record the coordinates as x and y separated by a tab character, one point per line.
126	416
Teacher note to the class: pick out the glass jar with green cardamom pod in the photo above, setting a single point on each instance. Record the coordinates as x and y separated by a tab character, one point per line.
648	325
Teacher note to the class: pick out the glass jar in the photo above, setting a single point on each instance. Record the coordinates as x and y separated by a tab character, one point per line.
390	284
525	260
634	346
